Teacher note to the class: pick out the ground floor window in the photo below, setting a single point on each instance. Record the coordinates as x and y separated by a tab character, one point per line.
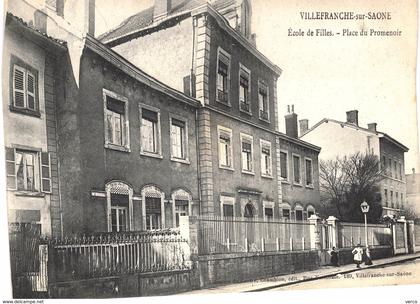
119	202
119	217
153	213
181	209
286	213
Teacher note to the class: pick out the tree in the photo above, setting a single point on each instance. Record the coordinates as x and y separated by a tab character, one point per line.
346	182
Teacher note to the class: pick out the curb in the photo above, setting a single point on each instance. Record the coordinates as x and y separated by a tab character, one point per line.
323	276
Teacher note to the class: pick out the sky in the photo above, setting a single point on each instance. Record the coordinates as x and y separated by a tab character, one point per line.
323	77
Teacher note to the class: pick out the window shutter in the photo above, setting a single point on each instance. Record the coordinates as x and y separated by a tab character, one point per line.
31	91
18	87
11	169
45	172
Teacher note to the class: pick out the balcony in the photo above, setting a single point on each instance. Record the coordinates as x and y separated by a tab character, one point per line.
264	115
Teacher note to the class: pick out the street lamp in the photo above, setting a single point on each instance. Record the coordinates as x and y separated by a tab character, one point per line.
365	209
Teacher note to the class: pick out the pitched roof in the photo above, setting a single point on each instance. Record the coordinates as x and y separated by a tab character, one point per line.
25	29
145	18
346	124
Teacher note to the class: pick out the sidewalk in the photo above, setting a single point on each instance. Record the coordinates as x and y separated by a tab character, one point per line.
294	278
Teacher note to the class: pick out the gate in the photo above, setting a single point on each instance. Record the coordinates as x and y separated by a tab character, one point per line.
28	266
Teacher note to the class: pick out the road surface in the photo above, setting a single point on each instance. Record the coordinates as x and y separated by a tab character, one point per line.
397	274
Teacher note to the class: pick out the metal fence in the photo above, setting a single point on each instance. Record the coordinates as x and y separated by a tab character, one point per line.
351	234
230	235
116	254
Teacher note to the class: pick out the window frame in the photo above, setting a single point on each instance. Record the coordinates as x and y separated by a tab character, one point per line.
227	200
266	144
16	62
300	169
158	140
262	83
185	145
117	187
310	185
286	179
125	136
268	205
247	138
180	194
152	192
285	206
244	70
228	87
220	130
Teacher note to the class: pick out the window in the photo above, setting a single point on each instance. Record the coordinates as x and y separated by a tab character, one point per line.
119	212
283	165
225	148
150	131
227	203
181	200
28	170
24	88
400	167
392	199
268	210
116	123
395	169
263	101
286	213
310	211
402	201
384	164
266	167
119	206
244	89
299	215
397	203
247	149
308	171
296	169
179	144
390	167
223	70
153	208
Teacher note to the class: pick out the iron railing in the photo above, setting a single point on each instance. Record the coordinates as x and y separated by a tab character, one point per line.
351	234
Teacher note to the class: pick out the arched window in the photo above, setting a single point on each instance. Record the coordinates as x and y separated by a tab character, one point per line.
310	210
119	198
153	208
181	205
298	210
249	211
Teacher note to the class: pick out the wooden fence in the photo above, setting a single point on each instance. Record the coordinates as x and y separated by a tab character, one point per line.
351	234
117	254
233	235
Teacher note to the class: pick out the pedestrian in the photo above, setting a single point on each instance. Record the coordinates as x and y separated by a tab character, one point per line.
334	257
368	259
358	255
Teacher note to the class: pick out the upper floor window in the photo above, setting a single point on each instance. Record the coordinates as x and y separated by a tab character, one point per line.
296	169
386	196
244	89
384	164
24	88
390	167
116	121
266	168
247	149
225	147
28	170
150	131
223	71
263	101
283	165
309	173
179	144
392	198
395	169
400	167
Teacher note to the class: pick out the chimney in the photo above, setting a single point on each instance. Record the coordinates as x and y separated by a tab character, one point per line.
89	18
56	5
163	8
372	126
291	122
353	117
303	126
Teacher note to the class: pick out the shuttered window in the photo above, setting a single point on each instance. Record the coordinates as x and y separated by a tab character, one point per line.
149	131
265	158
28	170
247	164
24	89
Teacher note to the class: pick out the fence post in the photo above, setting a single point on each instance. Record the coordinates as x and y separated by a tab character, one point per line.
403	220
188	228
277	244
315	232
332	222
411	238
394	238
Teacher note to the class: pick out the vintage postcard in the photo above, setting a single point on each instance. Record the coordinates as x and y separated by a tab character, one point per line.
189	148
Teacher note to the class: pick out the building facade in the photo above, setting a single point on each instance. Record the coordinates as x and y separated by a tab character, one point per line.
350	138
217	62
29	70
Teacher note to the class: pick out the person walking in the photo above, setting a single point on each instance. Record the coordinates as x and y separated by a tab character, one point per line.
368	258
334	257
358	255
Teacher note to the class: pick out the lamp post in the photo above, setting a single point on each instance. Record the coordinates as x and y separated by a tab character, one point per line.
365	209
